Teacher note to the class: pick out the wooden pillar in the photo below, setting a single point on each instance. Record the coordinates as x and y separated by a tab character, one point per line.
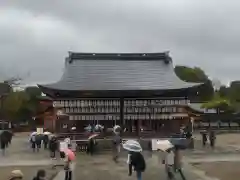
122	122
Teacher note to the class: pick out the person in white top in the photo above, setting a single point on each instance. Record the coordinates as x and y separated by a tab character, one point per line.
169	163
62	147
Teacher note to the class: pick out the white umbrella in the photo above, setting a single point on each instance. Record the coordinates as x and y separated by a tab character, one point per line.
99	127
132	145
88	128
164	145
116	129
33	133
47	133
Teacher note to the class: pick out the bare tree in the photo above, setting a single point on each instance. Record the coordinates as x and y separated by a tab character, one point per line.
13	81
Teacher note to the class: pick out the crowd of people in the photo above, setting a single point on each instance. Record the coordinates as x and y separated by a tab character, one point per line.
171	157
51	143
48	141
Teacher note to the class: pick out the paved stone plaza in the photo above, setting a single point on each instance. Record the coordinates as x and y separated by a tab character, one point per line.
201	164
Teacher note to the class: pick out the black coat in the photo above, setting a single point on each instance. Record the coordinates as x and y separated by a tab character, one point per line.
53	145
138	162
45	139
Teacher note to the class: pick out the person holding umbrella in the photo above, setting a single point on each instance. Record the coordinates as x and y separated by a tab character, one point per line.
116	142
91	143
172	156
135	158
168	156
69	158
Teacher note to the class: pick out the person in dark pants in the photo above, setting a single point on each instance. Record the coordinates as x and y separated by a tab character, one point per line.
45	141
33	142
178	162
38	142
90	148
137	161
204	139
212	138
10	137
53	145
3	143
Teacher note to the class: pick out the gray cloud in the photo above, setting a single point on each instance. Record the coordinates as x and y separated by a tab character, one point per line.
36	35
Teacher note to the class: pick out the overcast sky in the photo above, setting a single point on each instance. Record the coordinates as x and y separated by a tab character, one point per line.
35	35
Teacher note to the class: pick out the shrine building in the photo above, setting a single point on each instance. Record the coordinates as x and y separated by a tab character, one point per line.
138	91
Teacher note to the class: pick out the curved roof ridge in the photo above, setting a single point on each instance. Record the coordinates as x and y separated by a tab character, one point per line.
119	56
129	72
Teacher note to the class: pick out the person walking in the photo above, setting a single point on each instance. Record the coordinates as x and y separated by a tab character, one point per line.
33	142
116	147
169	163
38	142
41	175
3	143
136	161
212	139
90	146
69	158
53	145
204	138
45	141
178	162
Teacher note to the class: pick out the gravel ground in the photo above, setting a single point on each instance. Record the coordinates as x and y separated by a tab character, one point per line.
220	170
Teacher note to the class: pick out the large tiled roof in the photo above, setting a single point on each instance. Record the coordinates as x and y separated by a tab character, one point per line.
88	71
198	107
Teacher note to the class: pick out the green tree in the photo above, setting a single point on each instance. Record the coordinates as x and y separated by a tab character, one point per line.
33	103
13	103
223	92
234	90
196	75
189	74
33	91
221	104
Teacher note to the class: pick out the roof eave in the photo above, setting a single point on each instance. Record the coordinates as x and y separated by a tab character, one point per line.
53	87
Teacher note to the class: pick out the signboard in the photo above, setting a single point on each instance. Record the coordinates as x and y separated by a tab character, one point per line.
83	103
134	109
39	130
63	146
